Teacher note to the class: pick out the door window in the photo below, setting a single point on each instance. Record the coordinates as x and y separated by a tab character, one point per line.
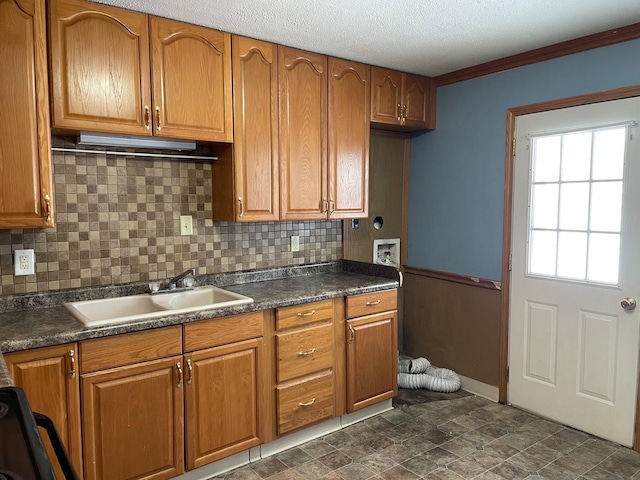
575	204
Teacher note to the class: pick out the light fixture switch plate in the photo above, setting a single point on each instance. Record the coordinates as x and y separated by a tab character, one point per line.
24	262
186	225
295	243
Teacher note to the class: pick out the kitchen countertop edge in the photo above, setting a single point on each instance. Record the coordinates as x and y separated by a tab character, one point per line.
42	327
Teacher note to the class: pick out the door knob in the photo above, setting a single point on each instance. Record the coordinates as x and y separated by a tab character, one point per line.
629	304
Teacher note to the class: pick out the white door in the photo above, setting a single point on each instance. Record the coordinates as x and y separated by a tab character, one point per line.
573	348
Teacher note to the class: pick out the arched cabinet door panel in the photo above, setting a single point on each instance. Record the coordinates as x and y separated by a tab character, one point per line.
191	77
99	68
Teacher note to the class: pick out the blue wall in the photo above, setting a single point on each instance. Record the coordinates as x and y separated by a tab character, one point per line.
456	184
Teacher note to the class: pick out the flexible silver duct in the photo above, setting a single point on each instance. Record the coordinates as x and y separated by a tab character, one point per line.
419	373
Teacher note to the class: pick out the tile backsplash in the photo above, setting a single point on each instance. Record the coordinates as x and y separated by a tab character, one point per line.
117	221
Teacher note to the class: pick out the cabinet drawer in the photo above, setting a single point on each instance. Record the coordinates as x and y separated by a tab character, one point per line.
128	348
304	351
304	314
368	303
223	330
306	402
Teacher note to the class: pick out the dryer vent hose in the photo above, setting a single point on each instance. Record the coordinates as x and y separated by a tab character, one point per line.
419	373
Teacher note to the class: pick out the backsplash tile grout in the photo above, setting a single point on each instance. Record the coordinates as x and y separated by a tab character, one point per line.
117	221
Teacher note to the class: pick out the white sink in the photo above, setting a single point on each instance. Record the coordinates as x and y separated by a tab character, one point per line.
108	311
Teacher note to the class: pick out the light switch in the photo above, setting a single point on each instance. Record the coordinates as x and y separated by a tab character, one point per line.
186	225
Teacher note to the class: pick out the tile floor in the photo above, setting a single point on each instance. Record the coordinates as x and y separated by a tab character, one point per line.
463	437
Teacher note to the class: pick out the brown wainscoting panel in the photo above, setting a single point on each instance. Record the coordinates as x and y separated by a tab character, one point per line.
454	325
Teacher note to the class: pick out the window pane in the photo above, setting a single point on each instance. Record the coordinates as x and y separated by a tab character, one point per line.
546	163
576	156
572	255
604	258
574	206
542	253
544	209
608	153
606	206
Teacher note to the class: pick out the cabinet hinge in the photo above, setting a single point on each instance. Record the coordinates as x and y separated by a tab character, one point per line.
507	374
513	147
510	261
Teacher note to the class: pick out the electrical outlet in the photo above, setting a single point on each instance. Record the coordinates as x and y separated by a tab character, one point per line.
295	243
24	262
186	225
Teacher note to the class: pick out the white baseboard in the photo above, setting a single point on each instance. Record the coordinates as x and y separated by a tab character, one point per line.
371	411
481	389
284	443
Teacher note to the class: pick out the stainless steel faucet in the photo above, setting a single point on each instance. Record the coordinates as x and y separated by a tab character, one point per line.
173	283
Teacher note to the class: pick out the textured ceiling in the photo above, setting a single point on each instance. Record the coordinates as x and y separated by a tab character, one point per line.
429	37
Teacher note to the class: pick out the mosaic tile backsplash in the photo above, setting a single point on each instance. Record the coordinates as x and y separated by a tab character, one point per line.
117	221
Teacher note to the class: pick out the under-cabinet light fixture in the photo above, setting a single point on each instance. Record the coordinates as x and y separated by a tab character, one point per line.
129	141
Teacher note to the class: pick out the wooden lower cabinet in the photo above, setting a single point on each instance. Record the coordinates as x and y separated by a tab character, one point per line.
372	352
222	395
48	377
132	420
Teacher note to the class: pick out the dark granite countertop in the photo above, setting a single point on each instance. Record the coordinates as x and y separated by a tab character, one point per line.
23	325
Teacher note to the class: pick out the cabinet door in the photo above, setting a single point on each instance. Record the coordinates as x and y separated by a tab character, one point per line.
372	373
26	190
223	394
255	110
48	377
415	101
99	68
349	104
132	421
386	96
191	81
303	134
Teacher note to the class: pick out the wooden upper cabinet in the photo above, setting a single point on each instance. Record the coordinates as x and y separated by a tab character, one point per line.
191	73
51	382
349	104
386	96
303	134
26	186
246	179
401	101
103	62
99	68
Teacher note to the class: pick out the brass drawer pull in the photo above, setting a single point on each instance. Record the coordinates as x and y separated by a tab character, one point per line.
72	364
189	371
241	207
371	304
353	333
147	117
179	370
304	354
308	404
158	126
308	314
47	208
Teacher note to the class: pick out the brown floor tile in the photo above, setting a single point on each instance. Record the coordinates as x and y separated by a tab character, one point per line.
420	465
509	471
317	448
442	474
378	462
313	470
355	471
268	467
335	460
398	473
294	457
467	467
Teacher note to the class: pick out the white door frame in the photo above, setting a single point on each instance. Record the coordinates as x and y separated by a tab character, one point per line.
512	114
